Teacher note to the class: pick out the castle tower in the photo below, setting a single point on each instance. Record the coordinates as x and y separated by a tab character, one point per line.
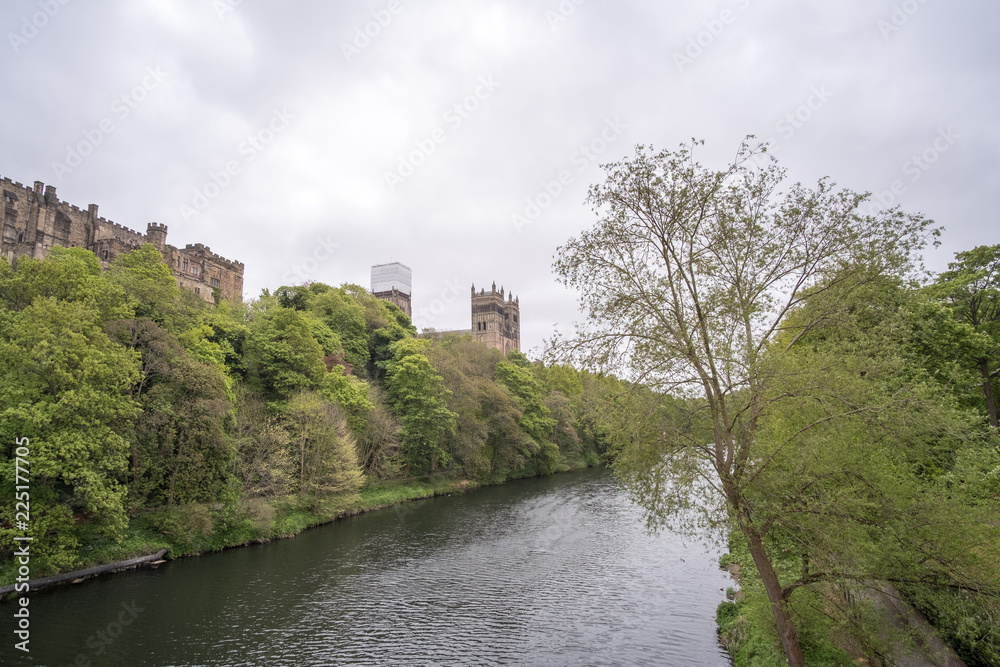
157	235
495	321
391	282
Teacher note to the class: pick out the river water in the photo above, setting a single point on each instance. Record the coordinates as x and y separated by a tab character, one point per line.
548	571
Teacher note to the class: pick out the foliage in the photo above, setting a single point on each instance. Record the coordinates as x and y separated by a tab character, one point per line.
972	287
148	283
747	298
156	419
281	354
64	386
324	448
419	398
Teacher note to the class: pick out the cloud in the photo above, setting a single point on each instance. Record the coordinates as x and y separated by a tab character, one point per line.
564	68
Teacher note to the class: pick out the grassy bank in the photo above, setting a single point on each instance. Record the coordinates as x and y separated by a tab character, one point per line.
190	530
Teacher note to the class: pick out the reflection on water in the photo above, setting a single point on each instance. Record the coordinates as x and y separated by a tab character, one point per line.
553	571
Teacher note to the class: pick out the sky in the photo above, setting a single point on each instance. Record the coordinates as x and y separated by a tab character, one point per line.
311	140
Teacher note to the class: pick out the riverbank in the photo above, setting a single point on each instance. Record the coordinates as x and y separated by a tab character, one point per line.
895	629
190	530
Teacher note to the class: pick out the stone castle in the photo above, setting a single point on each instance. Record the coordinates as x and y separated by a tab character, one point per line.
34	220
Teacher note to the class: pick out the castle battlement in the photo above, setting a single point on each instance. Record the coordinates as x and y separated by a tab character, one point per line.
13	184
34	223
206	252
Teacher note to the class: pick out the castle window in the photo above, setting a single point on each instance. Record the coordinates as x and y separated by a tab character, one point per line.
194	270
20	237
214	282
197	290
104	253
185	265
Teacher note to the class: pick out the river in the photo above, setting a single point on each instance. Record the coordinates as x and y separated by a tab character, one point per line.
547	571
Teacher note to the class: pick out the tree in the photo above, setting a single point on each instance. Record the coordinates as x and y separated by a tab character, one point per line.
972	286
179	451
327	459
66	274
148	282
419	398
378	441
65	386
346	318
535	418
281	354
262	462
686	280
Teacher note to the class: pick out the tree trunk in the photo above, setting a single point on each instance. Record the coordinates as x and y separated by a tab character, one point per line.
786	631
991	405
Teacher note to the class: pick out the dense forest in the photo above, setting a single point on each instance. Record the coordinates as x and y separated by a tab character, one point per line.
156	420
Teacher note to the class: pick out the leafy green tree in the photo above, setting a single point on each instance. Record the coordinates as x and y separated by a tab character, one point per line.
325	449
66	274
535	419
346	318
466	369
686	280
379	440
149	284
295	297
262	461
972	287
858	501
350	393
229	330
563	433
281	354
419	398
179	452
65	386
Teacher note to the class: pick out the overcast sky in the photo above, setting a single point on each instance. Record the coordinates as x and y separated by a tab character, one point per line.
311	140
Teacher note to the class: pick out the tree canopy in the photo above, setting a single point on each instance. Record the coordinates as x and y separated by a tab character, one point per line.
745	296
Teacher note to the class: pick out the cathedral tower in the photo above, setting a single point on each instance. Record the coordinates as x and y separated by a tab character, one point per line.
495	321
